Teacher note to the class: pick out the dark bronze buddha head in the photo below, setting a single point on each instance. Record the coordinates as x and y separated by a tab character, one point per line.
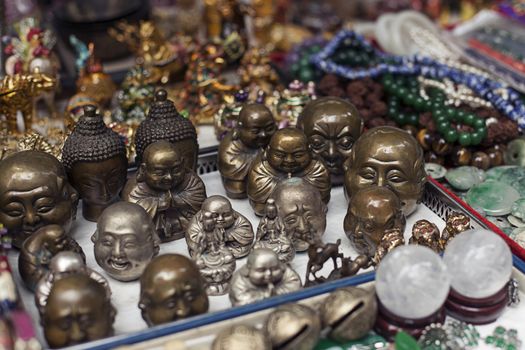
288	151
372	211
255	125
78	310
95	160
165	123
221	210
34	192
387	157
171	288
332	126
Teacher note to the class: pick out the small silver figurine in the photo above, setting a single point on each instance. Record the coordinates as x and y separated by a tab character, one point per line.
262	277
125	241
271	234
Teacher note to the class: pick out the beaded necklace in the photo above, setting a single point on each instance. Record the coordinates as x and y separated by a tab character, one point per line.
509	103
447	119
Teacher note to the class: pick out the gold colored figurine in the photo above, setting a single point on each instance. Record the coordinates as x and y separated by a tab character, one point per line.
332	126
17	93
34	192
38	250
145	40
391	239
291	102
171	288
256	72
225	25
95	160
164	122
263	276
371	212
239	148
78	310
204	89
388	157
169	191
302	212
93	82
272	235
455	224
427	234
287	155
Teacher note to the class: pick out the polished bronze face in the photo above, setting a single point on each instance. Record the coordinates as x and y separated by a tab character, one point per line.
332	126
301	210
171	288
255	125
387	157
125	241
78	310
163	167
371	212
99	184
288	151
34	192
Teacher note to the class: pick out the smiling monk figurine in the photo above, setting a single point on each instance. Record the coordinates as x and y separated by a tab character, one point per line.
286	156
170	192
239	148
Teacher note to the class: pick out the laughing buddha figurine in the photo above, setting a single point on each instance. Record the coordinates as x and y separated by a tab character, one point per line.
287	155
169	191
239	147
387	157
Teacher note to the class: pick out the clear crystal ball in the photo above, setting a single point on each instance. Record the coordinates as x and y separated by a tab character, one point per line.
479	263
412	281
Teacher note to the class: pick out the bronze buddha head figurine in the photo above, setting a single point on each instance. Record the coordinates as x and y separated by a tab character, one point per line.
221	210
372	211
288	151
301	211
78	310
165	123
171	288
387	157
125	241
34	192
162	167
95	160
332	126
255	125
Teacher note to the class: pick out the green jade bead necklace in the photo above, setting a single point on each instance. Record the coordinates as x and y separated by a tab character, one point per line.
443	116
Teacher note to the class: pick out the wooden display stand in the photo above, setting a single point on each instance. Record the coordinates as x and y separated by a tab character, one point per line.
477	311
388	324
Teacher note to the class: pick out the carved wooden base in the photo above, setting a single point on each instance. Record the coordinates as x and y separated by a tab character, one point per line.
476	311
388	324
